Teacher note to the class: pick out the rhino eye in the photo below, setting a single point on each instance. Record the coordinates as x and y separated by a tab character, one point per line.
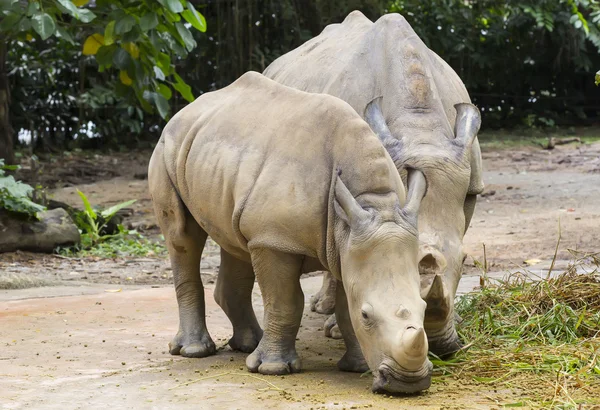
366	312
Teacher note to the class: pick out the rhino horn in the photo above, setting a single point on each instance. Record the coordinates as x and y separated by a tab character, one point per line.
436	297
468	121
348	208
417	187
374	117
416	341
412	349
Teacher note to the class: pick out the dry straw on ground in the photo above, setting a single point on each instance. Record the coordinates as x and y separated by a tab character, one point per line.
539	336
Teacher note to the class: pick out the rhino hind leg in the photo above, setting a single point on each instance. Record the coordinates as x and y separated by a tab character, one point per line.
353	360
234	294
278	276
185	242
324	300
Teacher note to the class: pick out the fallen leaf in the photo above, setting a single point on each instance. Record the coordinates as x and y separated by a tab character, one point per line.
112	290
530	262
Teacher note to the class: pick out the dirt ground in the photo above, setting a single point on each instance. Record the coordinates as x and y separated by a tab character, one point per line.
98	337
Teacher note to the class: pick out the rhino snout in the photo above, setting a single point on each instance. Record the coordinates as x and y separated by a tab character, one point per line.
410	349
390	378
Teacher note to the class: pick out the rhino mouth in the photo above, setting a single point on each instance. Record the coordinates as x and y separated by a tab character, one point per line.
389	379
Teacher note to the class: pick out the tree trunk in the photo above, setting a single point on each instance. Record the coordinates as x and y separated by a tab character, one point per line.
6	131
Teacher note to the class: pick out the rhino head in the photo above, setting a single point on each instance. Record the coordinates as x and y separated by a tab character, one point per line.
446	161
378	261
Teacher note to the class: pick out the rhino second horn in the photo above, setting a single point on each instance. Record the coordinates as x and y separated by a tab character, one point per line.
437	296
468	121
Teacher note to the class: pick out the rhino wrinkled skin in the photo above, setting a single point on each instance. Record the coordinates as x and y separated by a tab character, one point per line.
415	115
288	182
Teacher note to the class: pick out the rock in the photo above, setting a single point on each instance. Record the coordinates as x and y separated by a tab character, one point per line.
55	228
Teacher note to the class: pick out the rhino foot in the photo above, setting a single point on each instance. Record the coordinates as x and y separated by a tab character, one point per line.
273	363
355	363
192	346
331	328
324	300
246	341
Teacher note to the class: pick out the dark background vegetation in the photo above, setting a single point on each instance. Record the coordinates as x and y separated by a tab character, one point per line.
525	63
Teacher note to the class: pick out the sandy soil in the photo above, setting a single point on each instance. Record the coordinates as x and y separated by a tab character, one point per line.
81	345
109	348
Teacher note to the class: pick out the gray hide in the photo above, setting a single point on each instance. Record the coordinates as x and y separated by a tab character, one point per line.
285	181
408	95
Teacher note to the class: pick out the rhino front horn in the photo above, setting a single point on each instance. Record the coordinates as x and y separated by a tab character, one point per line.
413	348
416	342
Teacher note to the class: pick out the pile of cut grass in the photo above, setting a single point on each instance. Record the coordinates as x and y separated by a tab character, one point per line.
541	337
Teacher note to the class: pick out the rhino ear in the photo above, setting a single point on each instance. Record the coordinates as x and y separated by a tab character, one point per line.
466	127
347	208
417	187
374	117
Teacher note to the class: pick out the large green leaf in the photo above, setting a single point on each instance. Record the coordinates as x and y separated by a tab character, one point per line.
110	212
184	89
32	7
173	5
186	36
165	91
7	4
83	15
64	34
43	24
158	73
109	32
196	19
14	197
160	102
148	21
164	62
121	59
9	21
86	204
104	56
124	24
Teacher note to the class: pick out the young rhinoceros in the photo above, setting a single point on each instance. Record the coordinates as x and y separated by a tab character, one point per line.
284	181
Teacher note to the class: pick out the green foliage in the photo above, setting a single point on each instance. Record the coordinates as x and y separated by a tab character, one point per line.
122	244
15	195
517	58
137	42
95	242
92	223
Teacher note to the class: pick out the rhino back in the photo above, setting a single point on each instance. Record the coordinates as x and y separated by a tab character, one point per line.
255	161
359	60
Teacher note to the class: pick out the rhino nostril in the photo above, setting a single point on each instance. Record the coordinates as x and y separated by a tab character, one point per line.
428	264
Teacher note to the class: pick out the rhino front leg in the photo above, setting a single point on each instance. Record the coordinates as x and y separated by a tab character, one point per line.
278	276
324	300
353	360
234	294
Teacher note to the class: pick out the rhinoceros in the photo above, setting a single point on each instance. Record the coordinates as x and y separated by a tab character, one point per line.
285	182
413	94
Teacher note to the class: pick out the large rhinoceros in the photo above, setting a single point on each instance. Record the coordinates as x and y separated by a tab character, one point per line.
414	93
286	182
